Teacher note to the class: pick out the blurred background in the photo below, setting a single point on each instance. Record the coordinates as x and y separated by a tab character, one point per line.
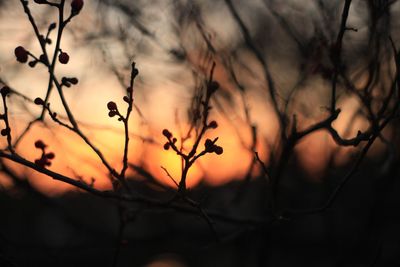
275	63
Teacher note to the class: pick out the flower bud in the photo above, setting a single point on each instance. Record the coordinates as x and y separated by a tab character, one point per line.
5	131
73	80
209	145
38	101
52	26
218	150
5	91
167	133
213	124
63	58
43	59
39	144
76	6
166	146
21	54
50	155
111	105
33	63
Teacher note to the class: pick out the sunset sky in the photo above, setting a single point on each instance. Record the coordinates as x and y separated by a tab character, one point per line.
164	89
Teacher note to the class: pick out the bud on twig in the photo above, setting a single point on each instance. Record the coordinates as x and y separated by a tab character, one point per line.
63	58
76	6
21	54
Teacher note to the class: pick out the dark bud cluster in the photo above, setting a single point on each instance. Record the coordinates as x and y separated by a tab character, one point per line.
113	109
4	92
69	81
135	71
21	54
40	144
46	158
171	140
211	147
129	97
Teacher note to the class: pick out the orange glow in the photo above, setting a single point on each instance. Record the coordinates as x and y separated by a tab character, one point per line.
73	157
314	152
233	163
166	261
160	98
158	158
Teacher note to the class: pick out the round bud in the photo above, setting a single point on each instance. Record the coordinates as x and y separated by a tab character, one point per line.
167	133
166	146
43	59
213	124
21	54
73	80
218	150
52	26
50	155
63	58
5	91
111	105
38	101
39	144
76	6
5	131
32	64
